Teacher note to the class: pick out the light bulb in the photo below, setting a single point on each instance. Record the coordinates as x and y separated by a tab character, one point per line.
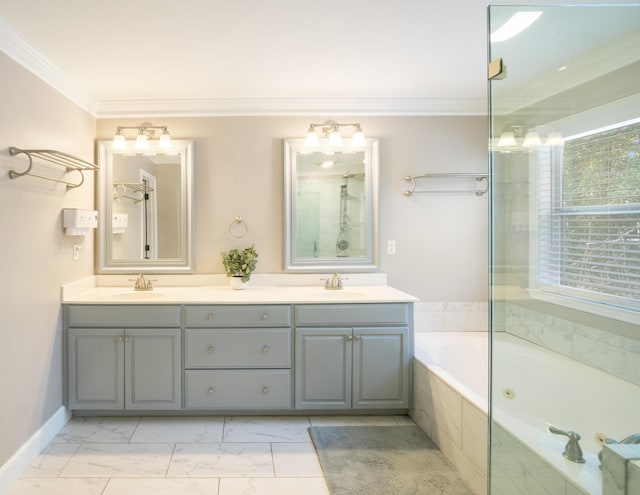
335	139
358	138
312	137
142	143
118	141
165	139
531	140
506	139
555	139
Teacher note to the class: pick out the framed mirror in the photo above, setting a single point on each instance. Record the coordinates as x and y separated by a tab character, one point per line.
145	208
331	206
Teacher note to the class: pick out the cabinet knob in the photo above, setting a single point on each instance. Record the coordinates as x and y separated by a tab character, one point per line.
264	316
357	338
210	391
210	349
127	339
265	390
265	349
118	339
349	338
210	316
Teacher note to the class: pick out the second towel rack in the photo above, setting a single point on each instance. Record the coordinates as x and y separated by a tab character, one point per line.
477	177
70	162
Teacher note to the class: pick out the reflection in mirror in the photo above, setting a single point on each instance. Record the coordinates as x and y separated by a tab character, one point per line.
145	208
331	207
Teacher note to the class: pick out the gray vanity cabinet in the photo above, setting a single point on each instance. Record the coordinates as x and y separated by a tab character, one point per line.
238	357
123	357
352	356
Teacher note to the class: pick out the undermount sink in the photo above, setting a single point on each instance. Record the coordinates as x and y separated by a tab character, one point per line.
132	294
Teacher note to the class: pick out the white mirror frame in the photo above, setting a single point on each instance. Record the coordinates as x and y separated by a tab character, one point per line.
356	264
104	259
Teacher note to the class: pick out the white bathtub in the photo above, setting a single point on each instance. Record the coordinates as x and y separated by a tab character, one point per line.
528	381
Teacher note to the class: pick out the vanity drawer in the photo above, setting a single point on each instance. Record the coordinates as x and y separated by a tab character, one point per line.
238	348
238	389
102	315
352	314
254	315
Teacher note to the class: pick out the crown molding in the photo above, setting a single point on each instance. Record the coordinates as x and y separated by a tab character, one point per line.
214	107
17	48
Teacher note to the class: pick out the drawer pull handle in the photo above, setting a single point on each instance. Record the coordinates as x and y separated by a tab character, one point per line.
210	316
210	391
210	349
264	316
265	349
265	390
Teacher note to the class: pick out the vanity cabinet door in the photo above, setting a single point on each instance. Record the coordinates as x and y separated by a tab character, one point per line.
152	368
95	368
380	368
323	368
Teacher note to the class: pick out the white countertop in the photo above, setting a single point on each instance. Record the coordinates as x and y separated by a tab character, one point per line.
223	294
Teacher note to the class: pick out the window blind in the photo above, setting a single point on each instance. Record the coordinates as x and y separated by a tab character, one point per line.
589	214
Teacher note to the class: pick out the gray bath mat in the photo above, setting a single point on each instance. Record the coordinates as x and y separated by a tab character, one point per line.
383	460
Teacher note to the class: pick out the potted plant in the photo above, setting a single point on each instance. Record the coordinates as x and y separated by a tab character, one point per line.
239	265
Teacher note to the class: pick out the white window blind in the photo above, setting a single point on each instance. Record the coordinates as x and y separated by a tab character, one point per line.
589	216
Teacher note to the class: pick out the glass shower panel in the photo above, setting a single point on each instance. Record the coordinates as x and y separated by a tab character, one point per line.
565	242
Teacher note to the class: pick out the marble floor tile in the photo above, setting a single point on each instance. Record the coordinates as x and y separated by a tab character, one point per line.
161	486
223	460
57	486
95	430
360	420
51	461
273	486
266	429
295	460
179	430
135	460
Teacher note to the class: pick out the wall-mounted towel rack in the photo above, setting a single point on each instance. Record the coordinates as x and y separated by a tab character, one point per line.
466	176
121	188
70	162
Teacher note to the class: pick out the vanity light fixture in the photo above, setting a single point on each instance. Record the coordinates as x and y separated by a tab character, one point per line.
331	130
145	132
514	139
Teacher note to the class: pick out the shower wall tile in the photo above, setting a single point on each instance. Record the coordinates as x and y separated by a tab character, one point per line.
451	317
612	353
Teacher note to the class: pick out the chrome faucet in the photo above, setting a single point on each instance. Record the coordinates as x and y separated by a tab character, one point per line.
334	282
572	450
630	440
141	283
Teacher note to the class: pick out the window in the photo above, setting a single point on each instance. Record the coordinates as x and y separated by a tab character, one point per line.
588	209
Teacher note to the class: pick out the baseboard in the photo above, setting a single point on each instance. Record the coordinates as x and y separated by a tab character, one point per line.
11	470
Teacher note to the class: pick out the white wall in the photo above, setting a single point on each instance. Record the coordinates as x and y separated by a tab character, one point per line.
36	258
441	239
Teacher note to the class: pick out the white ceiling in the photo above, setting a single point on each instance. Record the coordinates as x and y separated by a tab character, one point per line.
124	57
335	57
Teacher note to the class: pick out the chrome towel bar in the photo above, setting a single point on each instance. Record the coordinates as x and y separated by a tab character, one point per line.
465	176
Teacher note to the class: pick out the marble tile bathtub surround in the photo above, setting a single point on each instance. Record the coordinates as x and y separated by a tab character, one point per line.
451	316
612	353
213	455
456	426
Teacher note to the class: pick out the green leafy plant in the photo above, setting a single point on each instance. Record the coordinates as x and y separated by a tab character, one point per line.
240	263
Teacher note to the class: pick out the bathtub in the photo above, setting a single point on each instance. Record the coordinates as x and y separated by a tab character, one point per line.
528	381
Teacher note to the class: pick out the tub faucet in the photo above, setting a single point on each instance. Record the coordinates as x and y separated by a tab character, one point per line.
141	283
572	450
630	440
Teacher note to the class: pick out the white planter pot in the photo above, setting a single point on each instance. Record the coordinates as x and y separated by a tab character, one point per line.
237	283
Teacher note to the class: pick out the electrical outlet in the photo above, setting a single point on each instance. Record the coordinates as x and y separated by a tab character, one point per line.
391	247
76	252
